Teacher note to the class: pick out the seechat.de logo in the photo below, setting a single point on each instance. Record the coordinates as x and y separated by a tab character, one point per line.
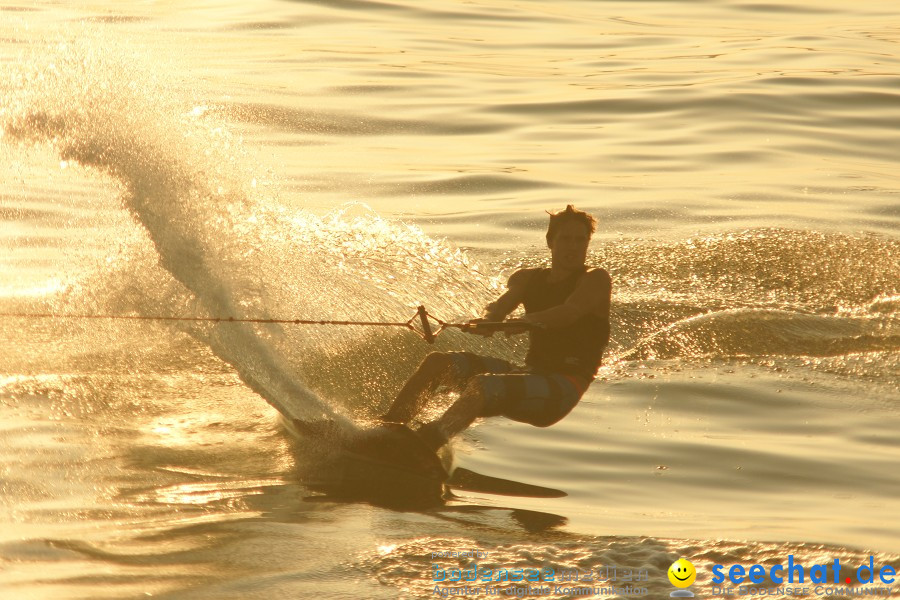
682	574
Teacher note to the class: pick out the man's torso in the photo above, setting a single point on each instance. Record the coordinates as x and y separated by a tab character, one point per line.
575	349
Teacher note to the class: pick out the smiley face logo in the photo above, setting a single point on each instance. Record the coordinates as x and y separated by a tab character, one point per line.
682	573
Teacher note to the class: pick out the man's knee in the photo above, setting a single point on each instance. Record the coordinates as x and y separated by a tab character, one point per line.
436	362
542	411
541	418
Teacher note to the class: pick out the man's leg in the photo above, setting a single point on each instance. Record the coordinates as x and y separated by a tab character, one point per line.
539	400
468	407
434	370
452	369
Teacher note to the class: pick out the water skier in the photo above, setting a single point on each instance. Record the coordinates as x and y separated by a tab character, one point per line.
567	319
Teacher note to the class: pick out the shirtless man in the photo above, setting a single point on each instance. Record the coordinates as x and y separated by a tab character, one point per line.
567	319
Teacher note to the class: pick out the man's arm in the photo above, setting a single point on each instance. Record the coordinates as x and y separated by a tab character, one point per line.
591	296
511	299
497	310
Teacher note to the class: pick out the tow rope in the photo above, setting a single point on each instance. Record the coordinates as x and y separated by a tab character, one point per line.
422	317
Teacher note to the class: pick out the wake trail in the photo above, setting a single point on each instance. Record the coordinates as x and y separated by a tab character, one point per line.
98	117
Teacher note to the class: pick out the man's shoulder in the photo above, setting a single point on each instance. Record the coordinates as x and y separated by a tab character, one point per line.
597	285
598	276
523	276
527	270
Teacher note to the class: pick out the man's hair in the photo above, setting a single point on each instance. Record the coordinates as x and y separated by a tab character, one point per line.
573	214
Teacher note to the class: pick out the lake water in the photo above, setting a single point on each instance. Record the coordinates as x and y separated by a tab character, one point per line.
352	160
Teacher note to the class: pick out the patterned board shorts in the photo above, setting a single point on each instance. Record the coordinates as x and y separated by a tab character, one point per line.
517	393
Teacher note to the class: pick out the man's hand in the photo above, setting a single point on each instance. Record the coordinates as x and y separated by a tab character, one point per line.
482	327
517	326
488	328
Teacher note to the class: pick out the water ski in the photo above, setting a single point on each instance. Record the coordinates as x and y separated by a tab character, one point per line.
391	466
531	520
469	481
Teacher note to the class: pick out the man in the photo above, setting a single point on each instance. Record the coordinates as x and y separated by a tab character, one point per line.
567	319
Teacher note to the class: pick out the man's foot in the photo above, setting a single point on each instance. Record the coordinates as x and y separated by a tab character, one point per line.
387	419
432	435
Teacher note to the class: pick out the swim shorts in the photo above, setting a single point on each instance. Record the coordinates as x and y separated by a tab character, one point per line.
520	393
